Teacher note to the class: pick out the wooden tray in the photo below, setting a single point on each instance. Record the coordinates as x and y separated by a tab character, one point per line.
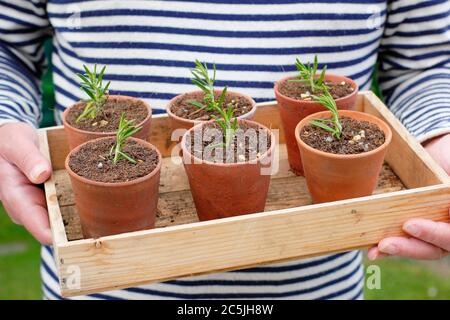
411	185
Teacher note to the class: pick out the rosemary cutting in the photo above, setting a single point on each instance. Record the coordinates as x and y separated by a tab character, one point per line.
92	84
307	74
332	125
126	130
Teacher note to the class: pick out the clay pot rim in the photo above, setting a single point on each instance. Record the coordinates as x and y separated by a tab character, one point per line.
114	184
368	117
109	133
267	153
195	122
327	75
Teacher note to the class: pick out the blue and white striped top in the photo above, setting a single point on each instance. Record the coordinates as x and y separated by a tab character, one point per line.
150	45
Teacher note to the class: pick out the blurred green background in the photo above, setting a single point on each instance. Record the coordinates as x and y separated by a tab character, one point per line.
19	253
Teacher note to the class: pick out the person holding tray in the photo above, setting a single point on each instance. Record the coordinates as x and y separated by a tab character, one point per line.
149	47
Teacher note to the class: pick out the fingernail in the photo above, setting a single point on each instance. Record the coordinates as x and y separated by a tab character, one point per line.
372	256
377	256
37	172
412	229
389	248
48	237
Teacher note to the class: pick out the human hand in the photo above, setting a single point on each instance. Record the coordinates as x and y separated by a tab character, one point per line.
428	240
21	167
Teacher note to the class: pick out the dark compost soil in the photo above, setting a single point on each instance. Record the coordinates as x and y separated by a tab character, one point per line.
92	161
183	107
302	91
249	143
357	137
107	120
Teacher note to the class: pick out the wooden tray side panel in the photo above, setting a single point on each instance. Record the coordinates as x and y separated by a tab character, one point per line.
55	218
406	156
161	135
229	244
58	146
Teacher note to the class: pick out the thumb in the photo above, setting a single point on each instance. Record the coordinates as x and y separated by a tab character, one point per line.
20	147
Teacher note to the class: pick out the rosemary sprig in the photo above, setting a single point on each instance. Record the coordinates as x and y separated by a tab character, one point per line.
92	85
126	130
206	84
332	125
307	74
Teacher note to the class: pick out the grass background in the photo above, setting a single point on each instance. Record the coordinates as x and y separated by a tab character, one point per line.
19	254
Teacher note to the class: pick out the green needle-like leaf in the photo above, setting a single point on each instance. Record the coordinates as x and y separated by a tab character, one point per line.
126	130
322	76
126	157
328	102
307	74
322	125
197	104
92	85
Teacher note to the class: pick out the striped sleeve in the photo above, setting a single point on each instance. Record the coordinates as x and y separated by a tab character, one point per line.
415	65
23	29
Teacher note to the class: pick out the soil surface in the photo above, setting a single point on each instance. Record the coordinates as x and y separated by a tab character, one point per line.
357	137
302	91
185	109
249	143
92	161
107	120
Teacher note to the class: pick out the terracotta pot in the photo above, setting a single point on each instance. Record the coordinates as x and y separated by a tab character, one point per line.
228	189
77	136
332	177
177	122
293	111
113	208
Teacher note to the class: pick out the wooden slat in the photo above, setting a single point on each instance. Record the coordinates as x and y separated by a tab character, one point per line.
160	135
56	223
268	115
59	146
71	222
406	156
227	244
